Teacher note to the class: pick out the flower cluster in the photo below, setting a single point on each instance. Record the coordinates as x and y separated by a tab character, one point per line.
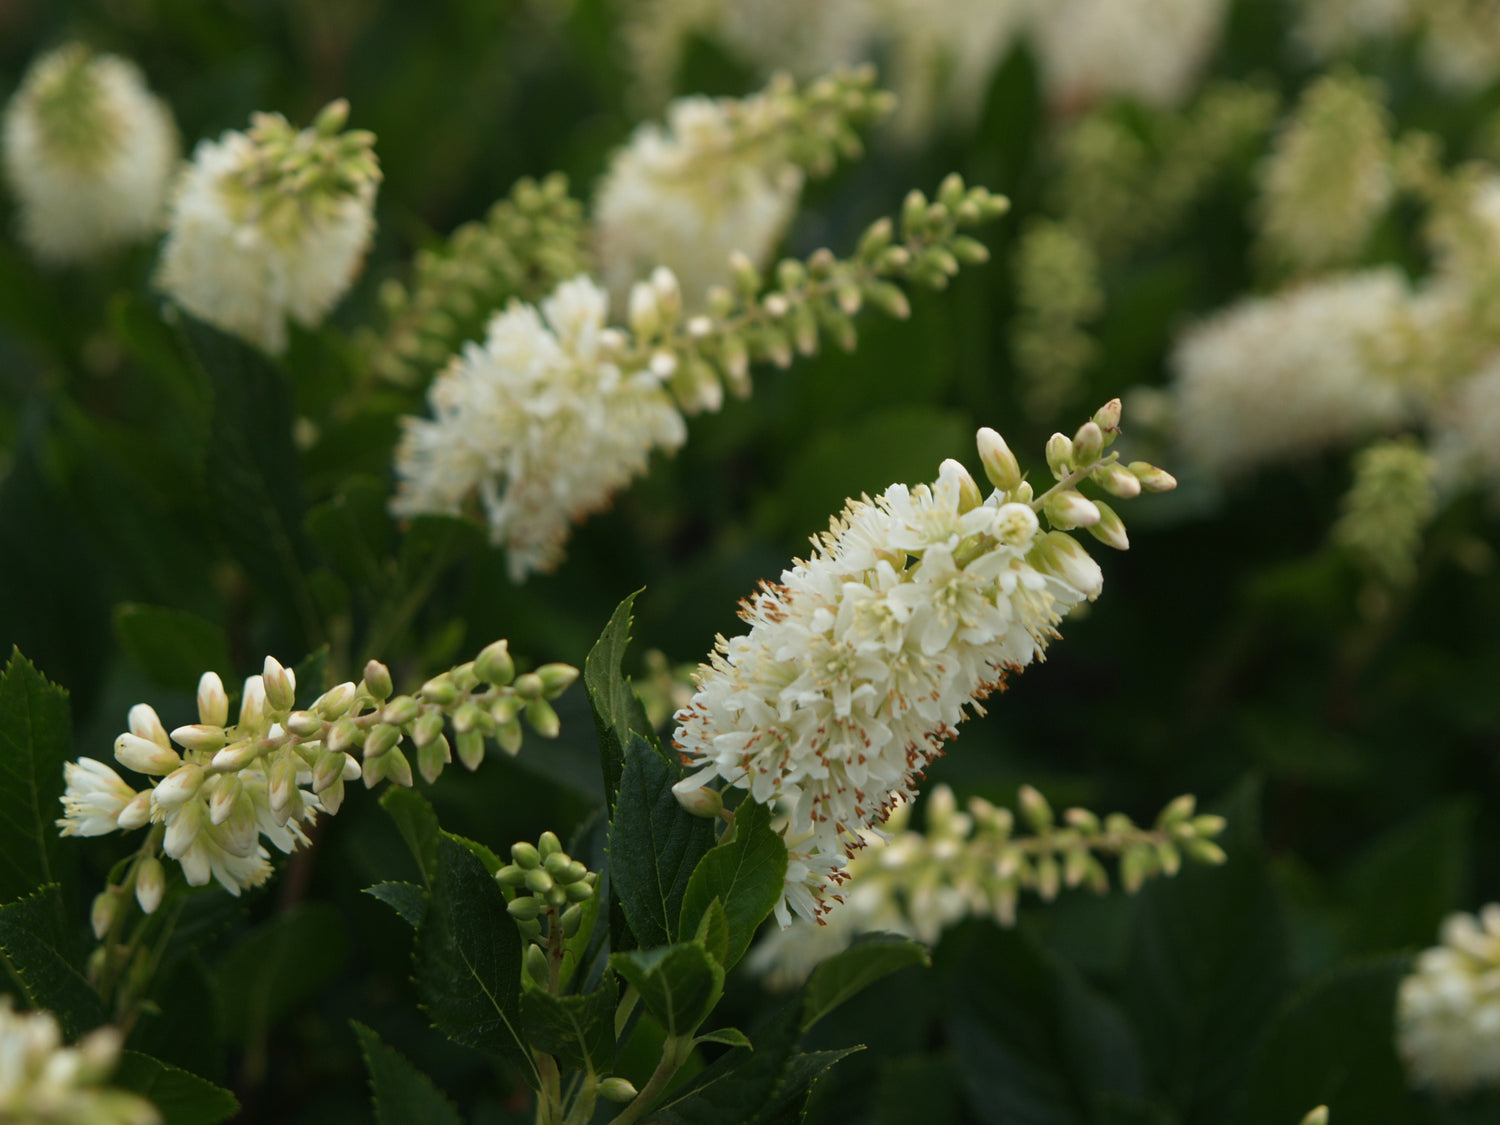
1329	177
271	223
860	662
1058	292
1289	375
1448	1010
546	890
88	152
1387	509
723	176
1458	41
222	787
44	1083
972	864
541	422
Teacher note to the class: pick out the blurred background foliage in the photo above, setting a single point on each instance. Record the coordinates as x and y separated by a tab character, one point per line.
160	515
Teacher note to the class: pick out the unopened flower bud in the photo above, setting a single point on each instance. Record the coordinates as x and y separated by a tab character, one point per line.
333	796
523	908
400	711
233	758
1070	508
537	964
199	737
572	919
556	679
511	875
1060	555
344	734
548	845
335	702
281	782
178	786
150	884
1152	479
495	665
381	738
1110	530
617	1089
221	805
644	315
104	911
1107	418
253	706
470	746
668	292
698	798
441	690
1117	481
432	758
395	767
280	684
378	680
999	462
543	719
1088	444
509	736
304	724
969	496
144	723
1059	455
145	756
137	812
529	686
1035	809
526	855
213	701
538	880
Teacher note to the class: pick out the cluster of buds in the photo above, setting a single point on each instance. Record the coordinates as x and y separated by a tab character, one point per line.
549	889
221	786
697	356
1387	509
1058	292
528	243
42	1081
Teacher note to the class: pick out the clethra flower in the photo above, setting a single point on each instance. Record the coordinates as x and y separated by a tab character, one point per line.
689	195
538	423
43	1082
863	660
93	799
88	151
1448	1010
270	224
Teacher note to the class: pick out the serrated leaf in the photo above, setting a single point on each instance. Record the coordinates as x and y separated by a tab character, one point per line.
173	647
578	1030
407	899
400	1092
617	710
468	958
31	944
713	932
276	967
418	826
654	846
678	984
181	1096
746	874
35	741
739	1083
492	862
852	970
788	1102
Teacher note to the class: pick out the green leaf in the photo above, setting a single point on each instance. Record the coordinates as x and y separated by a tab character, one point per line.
173	647
275	968
1333	1045
401	1093
1199	1002
788	1103
355	533
1410	879
852	970
182	1097
406	899
579	1030
31	942
617	710
654	845
492	862
1035	1041
679	984
468	958
741	1081
35	741
252	478
713	932
746	874
418	826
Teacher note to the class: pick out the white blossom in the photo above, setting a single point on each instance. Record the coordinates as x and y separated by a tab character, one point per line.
42	1082
270	224
860	663
88	151
92	799
1286	376
689	194
539	423
1462	433
1448	1009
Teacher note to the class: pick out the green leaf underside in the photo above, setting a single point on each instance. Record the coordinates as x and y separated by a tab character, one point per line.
745	874
35	741
401	1094
679	984
407	899
180	1095
468	958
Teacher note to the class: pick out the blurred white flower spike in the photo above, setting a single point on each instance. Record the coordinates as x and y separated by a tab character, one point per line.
1448	1009
42	1081
88	154
860	662
271	224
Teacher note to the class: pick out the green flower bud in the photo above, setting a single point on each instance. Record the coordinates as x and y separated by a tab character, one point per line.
432	758
572	919
556	679
537	965
549	845
1059	455
381	738
344	734
1088	443
579	891
400	711
525	855
471	749
524	908
557	897
495	665
538	880
617	1089
531	929
1035	809
304	724
999	462
543	718
440	690
378	680
1110	530
427	728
